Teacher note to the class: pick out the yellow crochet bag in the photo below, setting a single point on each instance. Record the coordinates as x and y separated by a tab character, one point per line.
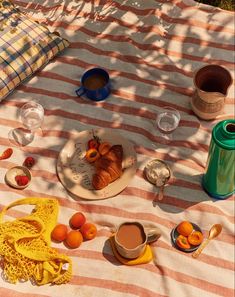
25	245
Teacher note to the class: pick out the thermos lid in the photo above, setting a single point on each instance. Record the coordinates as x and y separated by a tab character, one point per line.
224	134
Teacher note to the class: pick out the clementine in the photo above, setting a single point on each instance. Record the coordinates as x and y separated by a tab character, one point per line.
59	233
185	228
77	220
74	239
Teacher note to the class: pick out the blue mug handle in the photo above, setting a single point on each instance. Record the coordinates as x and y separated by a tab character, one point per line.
80	91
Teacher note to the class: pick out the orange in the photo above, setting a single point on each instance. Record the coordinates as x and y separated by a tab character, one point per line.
59	233
77	220
185	228
74	239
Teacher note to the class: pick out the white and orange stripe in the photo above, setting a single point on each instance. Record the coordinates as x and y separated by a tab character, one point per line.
151	50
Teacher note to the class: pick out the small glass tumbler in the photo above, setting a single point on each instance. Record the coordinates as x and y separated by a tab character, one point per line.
31	115
167	121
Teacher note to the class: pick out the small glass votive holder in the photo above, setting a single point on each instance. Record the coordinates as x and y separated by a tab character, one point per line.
167	121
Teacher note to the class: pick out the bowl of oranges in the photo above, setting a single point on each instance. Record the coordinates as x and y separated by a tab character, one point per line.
187	236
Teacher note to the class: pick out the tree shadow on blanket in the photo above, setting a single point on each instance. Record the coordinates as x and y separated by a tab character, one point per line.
151	65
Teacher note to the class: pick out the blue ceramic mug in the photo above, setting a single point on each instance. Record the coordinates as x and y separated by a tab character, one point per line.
95	84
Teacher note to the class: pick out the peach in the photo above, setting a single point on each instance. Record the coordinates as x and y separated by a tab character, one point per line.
88	231
185	228
59	233
74	239
77	220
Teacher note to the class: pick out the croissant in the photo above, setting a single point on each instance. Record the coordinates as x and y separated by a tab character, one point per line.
115	153
101	179
108	167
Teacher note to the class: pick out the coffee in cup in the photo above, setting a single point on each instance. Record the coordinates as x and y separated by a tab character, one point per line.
94	84
131	239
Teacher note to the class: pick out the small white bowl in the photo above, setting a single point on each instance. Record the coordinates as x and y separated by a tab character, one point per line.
13	172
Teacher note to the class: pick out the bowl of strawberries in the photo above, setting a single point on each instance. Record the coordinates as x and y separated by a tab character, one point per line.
18	177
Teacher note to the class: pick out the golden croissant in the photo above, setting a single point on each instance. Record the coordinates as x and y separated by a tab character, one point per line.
108	167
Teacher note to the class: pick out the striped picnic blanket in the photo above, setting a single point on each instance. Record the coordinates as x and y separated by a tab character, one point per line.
151	50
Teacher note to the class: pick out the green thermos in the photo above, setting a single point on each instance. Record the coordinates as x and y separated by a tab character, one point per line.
219	178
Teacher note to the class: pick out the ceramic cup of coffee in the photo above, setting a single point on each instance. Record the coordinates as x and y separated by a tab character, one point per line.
95	84
131	239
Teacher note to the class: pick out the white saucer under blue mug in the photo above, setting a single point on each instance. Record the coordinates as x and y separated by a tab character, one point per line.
95	94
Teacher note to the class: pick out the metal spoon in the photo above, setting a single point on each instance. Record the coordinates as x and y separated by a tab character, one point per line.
214	232
160	183
161	192
161	186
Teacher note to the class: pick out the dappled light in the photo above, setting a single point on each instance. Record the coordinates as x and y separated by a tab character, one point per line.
151	50
154	54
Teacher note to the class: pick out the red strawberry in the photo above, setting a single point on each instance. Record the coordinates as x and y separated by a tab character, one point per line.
6	154
29	162
21	180
93	143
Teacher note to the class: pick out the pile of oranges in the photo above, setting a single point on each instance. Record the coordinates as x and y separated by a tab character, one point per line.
79	232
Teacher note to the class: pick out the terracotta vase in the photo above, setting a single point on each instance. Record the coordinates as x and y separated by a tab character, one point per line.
211	87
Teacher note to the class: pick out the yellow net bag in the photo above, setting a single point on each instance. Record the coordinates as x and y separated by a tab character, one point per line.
25	245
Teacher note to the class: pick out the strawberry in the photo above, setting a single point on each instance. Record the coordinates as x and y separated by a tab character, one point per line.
21	180
29	162
6	154
93	143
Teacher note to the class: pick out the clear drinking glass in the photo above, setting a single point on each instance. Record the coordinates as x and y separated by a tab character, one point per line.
167	121
31	115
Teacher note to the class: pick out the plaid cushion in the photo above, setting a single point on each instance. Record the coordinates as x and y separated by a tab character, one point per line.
25	46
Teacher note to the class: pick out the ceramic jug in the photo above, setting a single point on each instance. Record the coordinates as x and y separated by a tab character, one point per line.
211	87
219	179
